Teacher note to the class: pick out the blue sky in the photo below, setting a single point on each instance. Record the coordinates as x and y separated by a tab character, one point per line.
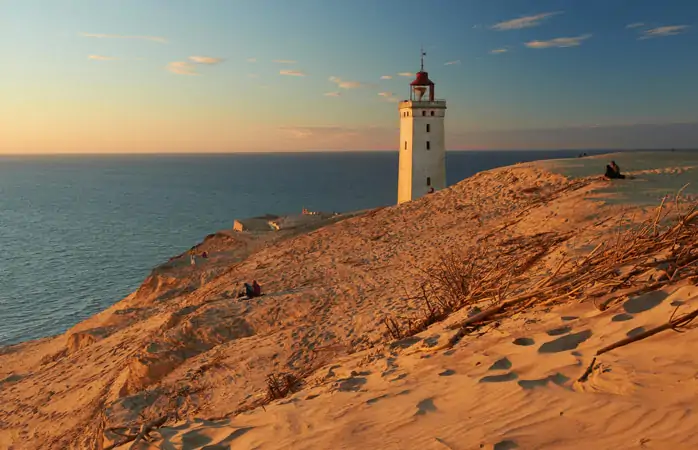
275	75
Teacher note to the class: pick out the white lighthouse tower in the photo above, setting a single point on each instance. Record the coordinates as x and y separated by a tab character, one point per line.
422	168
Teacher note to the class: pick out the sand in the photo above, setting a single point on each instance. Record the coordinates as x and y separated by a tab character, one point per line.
186	346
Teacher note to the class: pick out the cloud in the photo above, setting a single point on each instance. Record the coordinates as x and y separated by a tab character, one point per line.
389	97
159	39
386	77
284	61
498	51
524	22
320	132
101	58
559	42
664	31
347	84
406	74
205	59
332	94
635	25
252	60
292	73
452	63
182	68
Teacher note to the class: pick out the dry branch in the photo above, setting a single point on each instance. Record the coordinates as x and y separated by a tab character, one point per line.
672	324
497	274
145	429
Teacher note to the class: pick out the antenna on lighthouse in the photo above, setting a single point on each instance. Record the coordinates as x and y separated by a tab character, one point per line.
423	54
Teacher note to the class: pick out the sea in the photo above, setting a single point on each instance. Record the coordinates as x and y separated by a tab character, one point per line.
79	233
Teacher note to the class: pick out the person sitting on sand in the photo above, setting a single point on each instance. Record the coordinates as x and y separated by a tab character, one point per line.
247	291
256	289
613	171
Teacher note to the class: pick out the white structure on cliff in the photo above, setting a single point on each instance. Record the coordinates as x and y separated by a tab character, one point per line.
422	167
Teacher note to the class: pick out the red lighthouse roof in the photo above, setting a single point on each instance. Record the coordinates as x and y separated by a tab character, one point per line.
422	80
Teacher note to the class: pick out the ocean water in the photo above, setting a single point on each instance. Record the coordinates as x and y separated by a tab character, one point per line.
78	233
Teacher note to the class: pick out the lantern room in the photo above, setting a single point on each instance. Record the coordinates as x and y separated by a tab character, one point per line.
422	87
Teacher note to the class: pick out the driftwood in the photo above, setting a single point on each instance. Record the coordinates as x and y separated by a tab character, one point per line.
145	429
672	324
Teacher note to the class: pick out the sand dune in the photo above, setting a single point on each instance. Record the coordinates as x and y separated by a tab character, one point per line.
185	346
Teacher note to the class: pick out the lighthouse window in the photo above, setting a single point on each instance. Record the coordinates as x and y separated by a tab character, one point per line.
428	145
432	113
428	128
424	113
405	145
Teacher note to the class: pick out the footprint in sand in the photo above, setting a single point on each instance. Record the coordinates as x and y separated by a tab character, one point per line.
558	379
644	302
375	399
559	331
568	318
509	376
565	343
622	317
399	377
405	343
501	364
635	331
524	341
447	373
352	384
425	406
505	445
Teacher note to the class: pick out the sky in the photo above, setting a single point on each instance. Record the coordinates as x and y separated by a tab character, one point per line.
132	76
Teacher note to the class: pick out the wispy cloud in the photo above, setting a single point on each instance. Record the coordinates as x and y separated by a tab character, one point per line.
182	68
159	39
524	22
284	61
344	84
498	51
252	60
320	132
101	58
452	63
332	94
386	77
559	42
205	59
670	30
389	97
406	74
292	73
635	25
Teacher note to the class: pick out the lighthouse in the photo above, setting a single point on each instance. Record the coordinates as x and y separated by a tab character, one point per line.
422	167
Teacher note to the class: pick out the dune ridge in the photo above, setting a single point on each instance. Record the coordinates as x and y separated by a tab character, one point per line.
183	347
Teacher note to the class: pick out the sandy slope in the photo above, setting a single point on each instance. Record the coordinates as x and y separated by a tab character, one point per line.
183	343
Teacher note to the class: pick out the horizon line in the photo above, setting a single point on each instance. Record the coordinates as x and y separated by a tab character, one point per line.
189	153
